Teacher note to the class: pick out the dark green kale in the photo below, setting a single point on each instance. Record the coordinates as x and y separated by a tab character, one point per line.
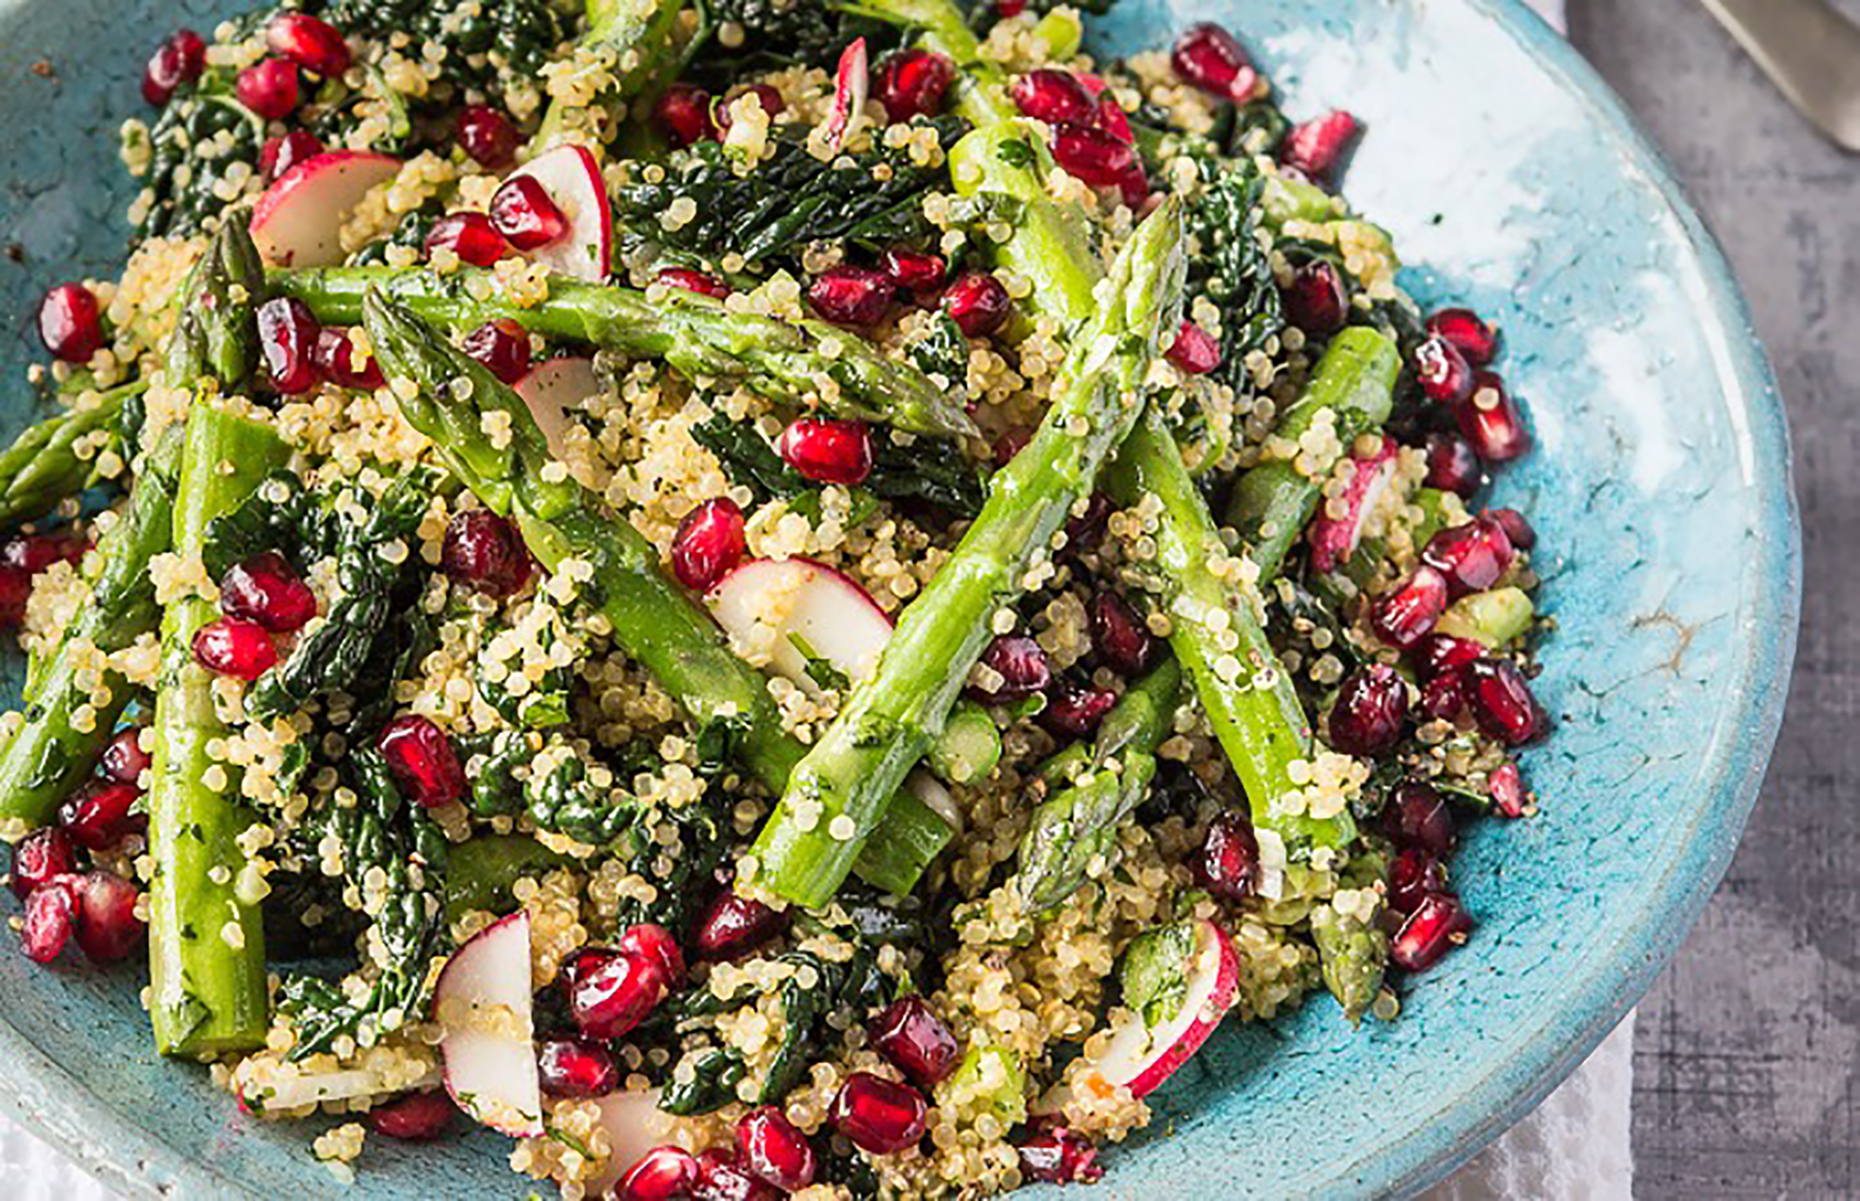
1233	270
930	470
181	182
480	36
776	33
410	233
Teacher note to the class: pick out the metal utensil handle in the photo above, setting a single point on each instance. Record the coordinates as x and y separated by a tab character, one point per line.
1811	52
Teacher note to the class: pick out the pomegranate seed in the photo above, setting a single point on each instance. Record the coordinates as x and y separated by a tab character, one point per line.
1318	146
1007	10
978	303
97	815
1076	712
574	1067
312	44
1095	157
912	83
1441	653
1317	302
51	915
709	543
1506	788
1371	706
1418	815
522	211
1119	636
1437	924
1084	531
334	356
70	323
1022	666
772	1150
1469	335
282	153
767	99
38	857
470	236
1054	96
179	59
1517	527
24	557
910	1035
422	761
657	944
265	589
661	1174
485	552
1010	444
879	1115
1195	351
694	281
854	296
1059	1156
828	451
1444	696
1501	701
416	1117
287	335
1491	420
913	272
1473	557
269	88
487	135
1207	56
107	925
503	347
735	926
1443	371
721	1178
1407	615
1453	465
682	114
610	993
235	648
1134	187
1415	875
1228	864
1112	119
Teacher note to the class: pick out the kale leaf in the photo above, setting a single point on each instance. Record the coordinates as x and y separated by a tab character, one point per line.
929	470
1233	270
479	36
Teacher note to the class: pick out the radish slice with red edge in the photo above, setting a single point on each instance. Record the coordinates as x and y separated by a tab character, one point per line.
628	1120
1335	539
1178	981
573	181
555	388
483	1001
818	627
298	220
852	82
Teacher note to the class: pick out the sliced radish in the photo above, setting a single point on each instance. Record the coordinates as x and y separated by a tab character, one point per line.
298	221
1335	539
553	389
264	1084
628	1120
1184	977
483	1000
573	180
852	82
806	616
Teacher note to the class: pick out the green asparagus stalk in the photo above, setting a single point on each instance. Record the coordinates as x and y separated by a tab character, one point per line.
206	938
838	795
43	468
1353	947
654	620
788	361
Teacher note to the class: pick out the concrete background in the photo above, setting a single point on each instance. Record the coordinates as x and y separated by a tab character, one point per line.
1747	1052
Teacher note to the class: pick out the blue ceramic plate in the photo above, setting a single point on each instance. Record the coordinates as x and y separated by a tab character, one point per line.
1512	179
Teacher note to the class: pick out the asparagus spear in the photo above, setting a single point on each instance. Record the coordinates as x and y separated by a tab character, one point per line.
653	619
42	466
697	335
838	795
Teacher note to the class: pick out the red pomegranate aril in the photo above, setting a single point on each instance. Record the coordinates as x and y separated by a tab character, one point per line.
416	1117
229	647
97	815
265	589
287	334
1491	421
334	356
1054	96
39	857
311	43
1453	465
1092	156
1319	146
1113	120
1441	653
913	83
1517	527
180	59
575	1067
912	1037
657	944
1007	10
1506	788
1444	696
709	542
485	552
1437	925
722	1178
50	919
682	115
1119	636
1468	334
735	925
422	760
1370	709
1501	701
1021	666
1473	557
503	347
1076	712
1207	56
523	212
879	1115
1085	530
661	1174
470	236
610	994
1195	350
282	153
694	281
1317	301
1419	816
1444	373
978	303
71	323
487	135
1059	1156
856	296
1408	614
107	926
1415	875
828	451
1228	862
30	554
769	1148
269	88
911	271
1134	188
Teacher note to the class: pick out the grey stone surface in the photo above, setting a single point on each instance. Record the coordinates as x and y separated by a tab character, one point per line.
1747	1055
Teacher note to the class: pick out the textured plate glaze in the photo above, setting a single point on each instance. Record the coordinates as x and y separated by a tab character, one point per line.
1511	178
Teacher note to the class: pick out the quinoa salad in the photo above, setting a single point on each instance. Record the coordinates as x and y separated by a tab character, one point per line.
763	598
